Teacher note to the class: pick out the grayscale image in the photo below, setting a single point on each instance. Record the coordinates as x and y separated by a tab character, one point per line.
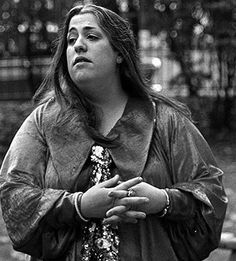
118	130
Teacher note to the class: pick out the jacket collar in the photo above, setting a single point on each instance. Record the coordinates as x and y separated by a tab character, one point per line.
133	134
128	143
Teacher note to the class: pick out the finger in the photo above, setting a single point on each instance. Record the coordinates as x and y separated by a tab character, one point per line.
110	182
135	214
131	201
124	204
112	220
118	193
124	212
117	219
129	183
118	210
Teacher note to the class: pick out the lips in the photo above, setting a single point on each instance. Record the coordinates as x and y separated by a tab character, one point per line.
81	59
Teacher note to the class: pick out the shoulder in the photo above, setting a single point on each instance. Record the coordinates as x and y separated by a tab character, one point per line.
170	117
44	115
171	106
46	110
166	113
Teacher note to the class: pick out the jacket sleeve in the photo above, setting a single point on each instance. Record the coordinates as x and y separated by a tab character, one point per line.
40	221
197	198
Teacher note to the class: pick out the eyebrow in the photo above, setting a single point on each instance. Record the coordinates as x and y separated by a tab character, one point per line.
86	28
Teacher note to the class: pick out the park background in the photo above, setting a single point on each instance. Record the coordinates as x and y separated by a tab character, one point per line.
187	50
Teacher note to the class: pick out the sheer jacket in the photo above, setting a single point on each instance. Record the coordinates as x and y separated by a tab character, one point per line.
45	165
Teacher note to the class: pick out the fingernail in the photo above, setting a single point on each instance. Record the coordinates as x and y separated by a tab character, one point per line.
108	214
140	179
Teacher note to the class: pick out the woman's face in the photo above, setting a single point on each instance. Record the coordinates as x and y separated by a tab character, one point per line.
90	56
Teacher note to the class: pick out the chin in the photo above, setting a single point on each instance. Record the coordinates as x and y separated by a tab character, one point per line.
83	81
81	78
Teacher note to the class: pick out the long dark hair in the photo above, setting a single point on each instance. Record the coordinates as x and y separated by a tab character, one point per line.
58	83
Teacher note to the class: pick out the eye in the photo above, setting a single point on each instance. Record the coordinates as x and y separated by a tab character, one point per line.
92	37
71	40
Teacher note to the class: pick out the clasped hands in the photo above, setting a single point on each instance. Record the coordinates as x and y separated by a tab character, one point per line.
117	201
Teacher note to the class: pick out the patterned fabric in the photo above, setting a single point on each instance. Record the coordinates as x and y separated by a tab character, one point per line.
100	242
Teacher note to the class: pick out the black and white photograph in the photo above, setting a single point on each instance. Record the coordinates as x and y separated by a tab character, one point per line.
118	130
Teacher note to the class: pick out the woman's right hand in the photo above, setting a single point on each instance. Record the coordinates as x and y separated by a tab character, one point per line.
96	201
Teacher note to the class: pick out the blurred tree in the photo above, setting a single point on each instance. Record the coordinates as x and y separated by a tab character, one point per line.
201	35
128	9
206	25
196	31
180	19
29	28
30	24
222	28
112	5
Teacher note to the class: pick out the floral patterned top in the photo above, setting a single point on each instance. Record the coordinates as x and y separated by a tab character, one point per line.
100	242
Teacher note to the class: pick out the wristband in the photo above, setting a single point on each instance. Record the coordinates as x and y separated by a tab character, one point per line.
78	197
165	210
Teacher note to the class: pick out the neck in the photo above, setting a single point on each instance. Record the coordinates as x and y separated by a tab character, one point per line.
106	95
109	108
111	101
110	112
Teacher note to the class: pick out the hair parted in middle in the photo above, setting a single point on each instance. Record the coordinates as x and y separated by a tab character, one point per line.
59	84
121	38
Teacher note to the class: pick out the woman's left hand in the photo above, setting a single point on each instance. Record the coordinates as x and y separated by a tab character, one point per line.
156	203
123	214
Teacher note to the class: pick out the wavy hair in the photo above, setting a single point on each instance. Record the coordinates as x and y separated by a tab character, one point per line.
59	84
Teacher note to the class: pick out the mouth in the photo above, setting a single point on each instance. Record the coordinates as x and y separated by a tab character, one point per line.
81	59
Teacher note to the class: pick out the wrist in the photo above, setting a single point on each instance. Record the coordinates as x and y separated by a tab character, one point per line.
164	211
78	201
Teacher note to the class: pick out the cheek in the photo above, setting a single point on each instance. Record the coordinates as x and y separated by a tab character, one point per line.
107	59
105	54
69	60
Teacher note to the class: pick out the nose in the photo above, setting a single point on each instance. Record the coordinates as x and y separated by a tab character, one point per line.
80	45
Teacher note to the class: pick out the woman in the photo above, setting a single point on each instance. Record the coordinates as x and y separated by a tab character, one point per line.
103	169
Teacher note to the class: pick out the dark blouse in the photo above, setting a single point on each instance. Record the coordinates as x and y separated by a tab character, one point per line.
43	169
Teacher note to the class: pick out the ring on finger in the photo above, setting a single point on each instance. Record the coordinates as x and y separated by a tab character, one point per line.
130	193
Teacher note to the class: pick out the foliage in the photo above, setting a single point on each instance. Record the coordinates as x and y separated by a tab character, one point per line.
33	25
201	36
206	25
28	28
189	25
